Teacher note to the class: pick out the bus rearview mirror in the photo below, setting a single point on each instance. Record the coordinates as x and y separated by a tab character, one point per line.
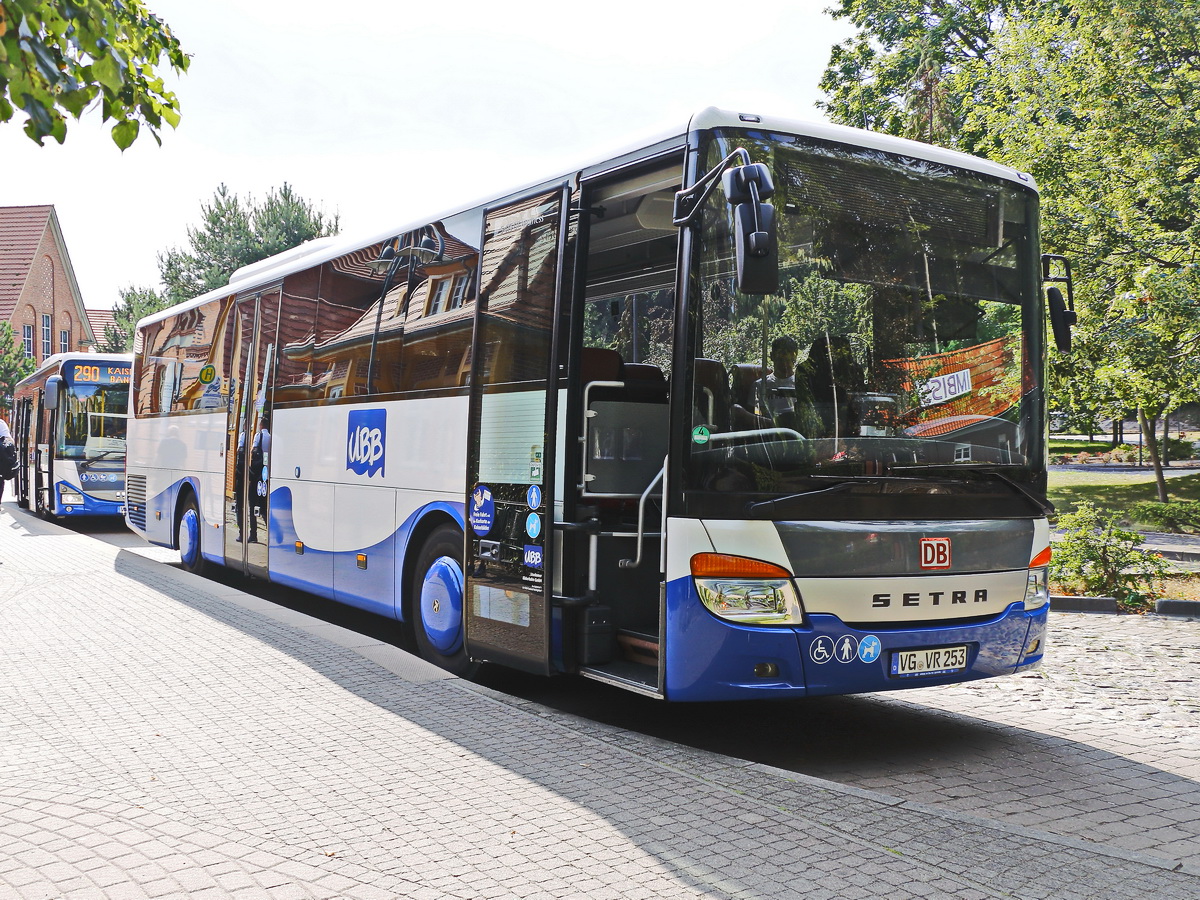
53	387
756	241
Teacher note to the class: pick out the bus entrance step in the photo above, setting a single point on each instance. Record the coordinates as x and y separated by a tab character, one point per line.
638	646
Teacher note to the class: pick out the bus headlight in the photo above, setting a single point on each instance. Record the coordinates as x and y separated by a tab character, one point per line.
746	590
1037	588
70	497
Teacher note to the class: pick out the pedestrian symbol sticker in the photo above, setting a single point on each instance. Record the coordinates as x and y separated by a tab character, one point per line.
869	648
846	649
533	496
821	650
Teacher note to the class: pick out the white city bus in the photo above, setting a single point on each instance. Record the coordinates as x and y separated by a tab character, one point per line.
753	410
69	421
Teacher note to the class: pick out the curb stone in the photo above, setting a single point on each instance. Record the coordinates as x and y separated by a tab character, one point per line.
1186	608
1060	603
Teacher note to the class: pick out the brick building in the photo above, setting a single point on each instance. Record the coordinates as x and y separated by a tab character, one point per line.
39	296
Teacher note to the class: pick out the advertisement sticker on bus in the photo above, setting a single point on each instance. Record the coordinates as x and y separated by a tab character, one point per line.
483	510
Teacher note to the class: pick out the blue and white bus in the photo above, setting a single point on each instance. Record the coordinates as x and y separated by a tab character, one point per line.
755	409
69	421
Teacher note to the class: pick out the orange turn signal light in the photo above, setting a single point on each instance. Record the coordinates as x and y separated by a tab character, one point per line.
1042	559
724	565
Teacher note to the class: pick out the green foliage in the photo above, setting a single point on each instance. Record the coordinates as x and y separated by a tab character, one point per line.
909	69
135	303
60	57
1179	518
233	233
14	364
1102	558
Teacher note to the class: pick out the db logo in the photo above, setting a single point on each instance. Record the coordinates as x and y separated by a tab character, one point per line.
366	441
935	553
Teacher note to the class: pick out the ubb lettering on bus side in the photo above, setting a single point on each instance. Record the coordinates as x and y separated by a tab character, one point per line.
366	441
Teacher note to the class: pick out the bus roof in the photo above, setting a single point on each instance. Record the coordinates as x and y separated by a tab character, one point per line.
322	250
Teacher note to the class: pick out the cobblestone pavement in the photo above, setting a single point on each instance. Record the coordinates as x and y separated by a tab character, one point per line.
162	736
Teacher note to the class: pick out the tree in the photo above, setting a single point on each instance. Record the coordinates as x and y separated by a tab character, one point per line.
14	364
234	233
908	70
135	303
62	57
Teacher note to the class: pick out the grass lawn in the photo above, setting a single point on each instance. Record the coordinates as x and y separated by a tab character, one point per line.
1113	491
1117	492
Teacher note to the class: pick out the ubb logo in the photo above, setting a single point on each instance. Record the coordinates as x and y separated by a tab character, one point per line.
366	441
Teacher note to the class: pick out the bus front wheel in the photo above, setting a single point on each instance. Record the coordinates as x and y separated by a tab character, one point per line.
188	537
437	602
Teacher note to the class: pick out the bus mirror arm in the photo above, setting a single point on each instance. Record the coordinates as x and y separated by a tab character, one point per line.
747	187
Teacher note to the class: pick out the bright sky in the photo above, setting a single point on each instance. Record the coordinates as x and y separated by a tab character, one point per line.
389	113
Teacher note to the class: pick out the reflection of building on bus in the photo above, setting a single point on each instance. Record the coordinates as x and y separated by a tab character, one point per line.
70	423
557	431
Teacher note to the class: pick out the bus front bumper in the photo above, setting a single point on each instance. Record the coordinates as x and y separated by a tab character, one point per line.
708	658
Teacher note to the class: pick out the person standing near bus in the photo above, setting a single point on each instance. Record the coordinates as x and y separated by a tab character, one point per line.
8	455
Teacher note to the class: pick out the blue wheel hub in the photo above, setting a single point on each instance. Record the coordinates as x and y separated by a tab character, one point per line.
189	537
442	605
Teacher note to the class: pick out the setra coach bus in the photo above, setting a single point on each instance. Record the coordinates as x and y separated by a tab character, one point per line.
755	409
69	421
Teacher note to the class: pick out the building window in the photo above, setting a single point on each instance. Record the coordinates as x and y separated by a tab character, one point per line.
64	342
27	340
47	329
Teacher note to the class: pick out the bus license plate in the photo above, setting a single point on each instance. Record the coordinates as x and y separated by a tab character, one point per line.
929	661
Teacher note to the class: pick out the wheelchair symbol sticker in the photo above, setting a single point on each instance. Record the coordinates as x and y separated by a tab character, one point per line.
821	650
869	648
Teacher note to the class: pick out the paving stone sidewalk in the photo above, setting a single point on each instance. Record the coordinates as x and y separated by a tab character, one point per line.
166	736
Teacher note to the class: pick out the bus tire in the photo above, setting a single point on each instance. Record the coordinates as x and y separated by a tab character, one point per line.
187	536
437	602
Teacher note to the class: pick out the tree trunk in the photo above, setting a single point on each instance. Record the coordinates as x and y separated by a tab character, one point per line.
1166	446
1151	442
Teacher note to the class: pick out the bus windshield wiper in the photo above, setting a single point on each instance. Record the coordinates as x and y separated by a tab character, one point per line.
769	507
86	464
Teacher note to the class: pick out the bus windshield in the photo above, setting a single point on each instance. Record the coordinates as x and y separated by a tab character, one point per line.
900	348
93	421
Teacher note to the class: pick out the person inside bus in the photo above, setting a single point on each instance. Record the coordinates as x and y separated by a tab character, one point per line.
784	398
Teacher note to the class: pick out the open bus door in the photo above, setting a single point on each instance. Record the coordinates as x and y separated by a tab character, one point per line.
248	433
511	485
22	431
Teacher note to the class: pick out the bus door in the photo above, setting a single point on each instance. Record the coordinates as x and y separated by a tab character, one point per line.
248	434
22	432
618	422
511	431
43	455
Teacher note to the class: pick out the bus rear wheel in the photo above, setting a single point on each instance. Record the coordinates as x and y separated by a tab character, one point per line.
437	602
187	536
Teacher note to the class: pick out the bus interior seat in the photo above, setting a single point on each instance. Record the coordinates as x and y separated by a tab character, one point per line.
745	377
600	364
712	393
